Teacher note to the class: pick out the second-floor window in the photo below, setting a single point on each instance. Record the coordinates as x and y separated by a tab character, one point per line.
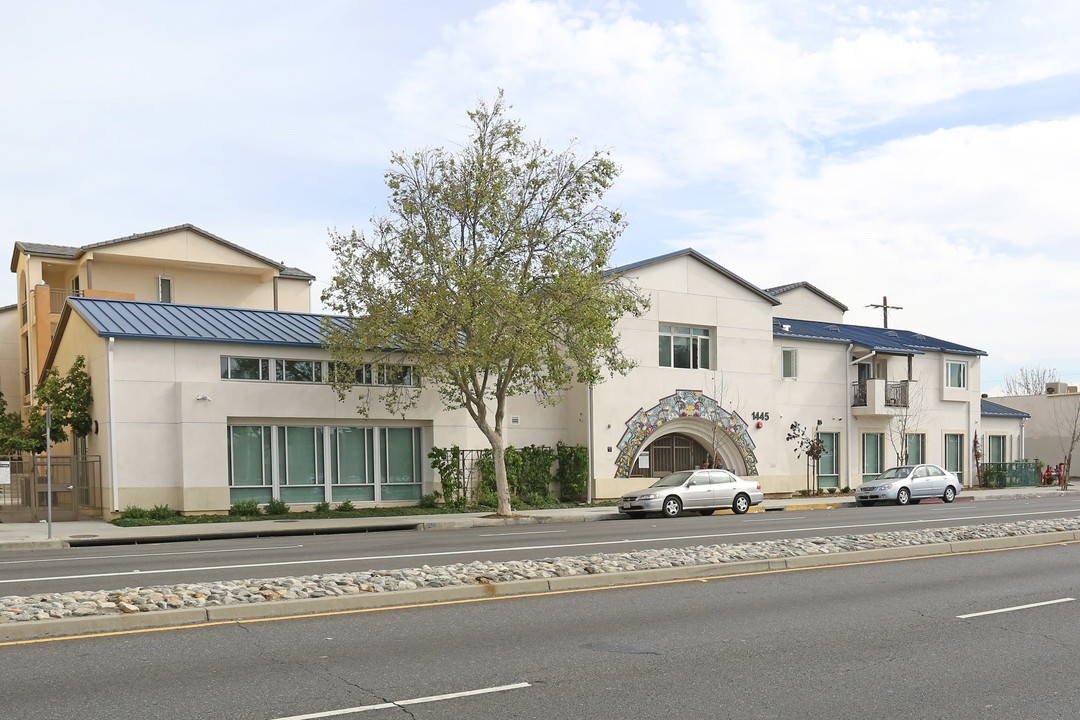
164	289
682	346
791	363
956	375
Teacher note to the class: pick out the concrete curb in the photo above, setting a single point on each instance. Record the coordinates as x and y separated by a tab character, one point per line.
68	627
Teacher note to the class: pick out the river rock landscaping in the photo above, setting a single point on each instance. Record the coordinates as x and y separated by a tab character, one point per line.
48	606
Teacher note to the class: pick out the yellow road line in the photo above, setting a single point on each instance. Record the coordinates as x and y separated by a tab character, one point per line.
545	593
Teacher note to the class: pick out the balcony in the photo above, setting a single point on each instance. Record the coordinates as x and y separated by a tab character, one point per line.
58	296
878	396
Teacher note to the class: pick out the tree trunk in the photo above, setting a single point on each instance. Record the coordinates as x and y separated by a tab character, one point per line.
1066	471
502	487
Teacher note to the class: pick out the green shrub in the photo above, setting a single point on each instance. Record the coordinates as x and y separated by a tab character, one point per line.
847	489
133	512
323	507
573	472
431	500
448	464
832	490
345	506
528	470
245	508
162	512
538	500
487	499
804	493
276	507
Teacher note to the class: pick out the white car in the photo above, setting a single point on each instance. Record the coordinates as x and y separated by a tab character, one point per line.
909	484
703	491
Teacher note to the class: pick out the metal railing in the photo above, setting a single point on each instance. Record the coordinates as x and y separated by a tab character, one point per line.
858	393
1013	474
58	296
896	394
76	488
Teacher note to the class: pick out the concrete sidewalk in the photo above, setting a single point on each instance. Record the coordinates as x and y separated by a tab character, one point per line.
35	536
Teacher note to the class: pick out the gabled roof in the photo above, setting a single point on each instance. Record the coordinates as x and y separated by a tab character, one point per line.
888	341
690	252
992	409
71	253
196	323
780	290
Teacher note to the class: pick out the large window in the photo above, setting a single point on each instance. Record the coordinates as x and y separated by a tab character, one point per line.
791	363
298	370
995	448
309	464
873	448
829	463
954	454
250	467
241	368
377	374
916	448
955	374
682	346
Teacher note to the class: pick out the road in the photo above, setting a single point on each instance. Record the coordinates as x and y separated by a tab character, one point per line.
889	639
106	568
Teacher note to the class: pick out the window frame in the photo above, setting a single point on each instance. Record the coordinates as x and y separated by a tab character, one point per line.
793	353
162	282
698	346
949	364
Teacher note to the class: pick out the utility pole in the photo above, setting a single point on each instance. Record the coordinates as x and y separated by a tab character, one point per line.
885	307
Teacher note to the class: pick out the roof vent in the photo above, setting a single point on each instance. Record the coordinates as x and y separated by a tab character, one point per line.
786	328
1056	388
834	328
892	333
920	336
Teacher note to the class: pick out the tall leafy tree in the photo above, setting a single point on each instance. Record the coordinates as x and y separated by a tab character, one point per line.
487	277
70	398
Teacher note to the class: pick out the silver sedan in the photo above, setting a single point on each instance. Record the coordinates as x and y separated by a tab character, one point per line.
703	491
909	484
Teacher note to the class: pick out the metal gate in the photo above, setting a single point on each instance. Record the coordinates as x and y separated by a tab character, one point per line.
24	488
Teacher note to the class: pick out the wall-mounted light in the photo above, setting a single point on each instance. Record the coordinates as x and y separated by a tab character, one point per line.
200	396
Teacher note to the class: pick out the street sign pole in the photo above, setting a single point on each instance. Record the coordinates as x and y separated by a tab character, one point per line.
48	464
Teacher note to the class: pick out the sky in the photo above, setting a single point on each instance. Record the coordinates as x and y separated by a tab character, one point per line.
927	151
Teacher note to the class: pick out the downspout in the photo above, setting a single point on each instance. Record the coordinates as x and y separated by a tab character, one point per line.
847	413
1023	440
589	480
112	428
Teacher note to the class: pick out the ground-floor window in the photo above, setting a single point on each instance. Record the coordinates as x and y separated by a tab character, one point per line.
873	448
995	448
916	448
954	454
829	463
309	464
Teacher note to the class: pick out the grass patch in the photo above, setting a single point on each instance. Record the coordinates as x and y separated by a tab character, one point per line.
323	514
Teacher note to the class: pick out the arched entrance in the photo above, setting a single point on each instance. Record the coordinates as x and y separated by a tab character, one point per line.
693	426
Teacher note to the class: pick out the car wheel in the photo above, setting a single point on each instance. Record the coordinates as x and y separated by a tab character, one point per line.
864	503
741	504
672	506
903	496
950	494
706	512
636	515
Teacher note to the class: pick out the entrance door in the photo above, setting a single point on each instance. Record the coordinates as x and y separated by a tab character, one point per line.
672	453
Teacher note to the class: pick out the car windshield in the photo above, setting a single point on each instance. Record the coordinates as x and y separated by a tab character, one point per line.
896	472
672	480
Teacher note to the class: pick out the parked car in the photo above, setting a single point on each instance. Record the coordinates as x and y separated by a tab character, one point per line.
702	491
909	484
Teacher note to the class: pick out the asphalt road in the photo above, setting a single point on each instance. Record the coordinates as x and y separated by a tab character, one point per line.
107	568
889	639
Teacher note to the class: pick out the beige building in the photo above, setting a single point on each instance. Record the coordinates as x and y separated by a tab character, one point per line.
181	264
221	395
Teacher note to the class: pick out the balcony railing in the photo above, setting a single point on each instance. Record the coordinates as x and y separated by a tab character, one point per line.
58	296
896	393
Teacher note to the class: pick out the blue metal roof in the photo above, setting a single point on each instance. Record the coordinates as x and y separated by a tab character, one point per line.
994	410
199	323
889	341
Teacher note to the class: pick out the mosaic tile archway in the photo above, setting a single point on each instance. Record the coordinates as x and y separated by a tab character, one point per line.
680	405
